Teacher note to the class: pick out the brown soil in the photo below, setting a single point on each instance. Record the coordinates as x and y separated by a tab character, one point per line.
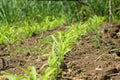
88	61
16	56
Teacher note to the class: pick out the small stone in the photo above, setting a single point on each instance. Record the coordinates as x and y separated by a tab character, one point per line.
98	68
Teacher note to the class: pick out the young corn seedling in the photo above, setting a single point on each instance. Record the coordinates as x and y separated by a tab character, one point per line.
59	48
30	74
61	45
55	58
92	24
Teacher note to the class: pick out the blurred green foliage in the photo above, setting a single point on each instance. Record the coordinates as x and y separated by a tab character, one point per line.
18	10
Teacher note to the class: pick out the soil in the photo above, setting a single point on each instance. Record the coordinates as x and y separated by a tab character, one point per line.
92	59
16	56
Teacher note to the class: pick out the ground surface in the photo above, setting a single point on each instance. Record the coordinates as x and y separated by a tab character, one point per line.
27	53
89	61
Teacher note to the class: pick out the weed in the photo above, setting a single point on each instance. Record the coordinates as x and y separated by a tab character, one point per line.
106	62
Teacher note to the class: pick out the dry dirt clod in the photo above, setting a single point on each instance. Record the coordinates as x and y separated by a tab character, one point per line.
118	67
3	64
2	47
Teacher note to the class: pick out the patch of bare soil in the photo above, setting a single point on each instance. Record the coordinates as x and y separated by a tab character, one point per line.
16	56
87	61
